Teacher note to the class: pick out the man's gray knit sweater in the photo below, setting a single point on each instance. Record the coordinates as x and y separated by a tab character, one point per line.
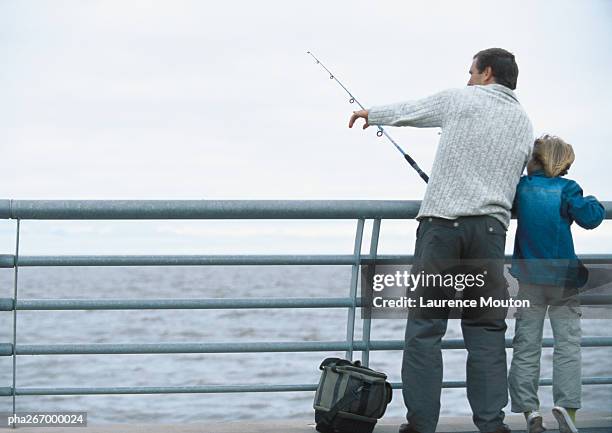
485	144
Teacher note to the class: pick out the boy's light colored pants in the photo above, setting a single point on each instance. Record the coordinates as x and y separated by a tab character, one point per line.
564	314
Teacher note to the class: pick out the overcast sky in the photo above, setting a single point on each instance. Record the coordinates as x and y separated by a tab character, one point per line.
194	100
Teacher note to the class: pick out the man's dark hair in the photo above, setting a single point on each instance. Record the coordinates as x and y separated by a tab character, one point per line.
502	63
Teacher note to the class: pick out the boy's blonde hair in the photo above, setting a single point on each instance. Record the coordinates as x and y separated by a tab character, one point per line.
553	155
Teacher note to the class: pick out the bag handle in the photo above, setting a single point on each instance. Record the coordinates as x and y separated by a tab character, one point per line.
336	362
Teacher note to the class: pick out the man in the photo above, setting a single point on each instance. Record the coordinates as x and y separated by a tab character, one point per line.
484	146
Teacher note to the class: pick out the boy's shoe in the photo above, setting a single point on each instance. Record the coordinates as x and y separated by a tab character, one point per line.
535	423
566	425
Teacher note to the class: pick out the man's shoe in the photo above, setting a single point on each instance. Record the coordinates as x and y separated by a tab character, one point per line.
502	429
535	423
407	428
566	425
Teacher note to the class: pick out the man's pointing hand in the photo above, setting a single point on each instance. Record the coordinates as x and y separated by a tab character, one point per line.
359	114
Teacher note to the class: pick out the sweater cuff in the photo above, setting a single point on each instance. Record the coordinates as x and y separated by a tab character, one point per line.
381	115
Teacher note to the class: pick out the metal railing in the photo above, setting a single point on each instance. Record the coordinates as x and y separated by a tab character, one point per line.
358	210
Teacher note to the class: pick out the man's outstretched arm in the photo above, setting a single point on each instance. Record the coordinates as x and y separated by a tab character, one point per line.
428	112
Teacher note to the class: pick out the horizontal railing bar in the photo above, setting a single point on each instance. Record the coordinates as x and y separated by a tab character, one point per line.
182	304
246	347
214	209
202	389
207	209
588	300
210	389
163	348
8	261
458	343
184	260
605	380
7	304
589	259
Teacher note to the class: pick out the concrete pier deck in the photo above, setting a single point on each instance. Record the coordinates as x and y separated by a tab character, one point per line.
587	423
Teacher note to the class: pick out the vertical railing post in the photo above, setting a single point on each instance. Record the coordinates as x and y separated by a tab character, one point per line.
15	317
350	323
367	322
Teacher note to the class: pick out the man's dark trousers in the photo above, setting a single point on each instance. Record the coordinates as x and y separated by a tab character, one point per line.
440	242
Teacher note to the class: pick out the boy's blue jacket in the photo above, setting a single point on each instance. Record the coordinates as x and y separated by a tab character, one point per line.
543	247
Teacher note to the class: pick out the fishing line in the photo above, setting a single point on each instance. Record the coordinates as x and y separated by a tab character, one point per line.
380	131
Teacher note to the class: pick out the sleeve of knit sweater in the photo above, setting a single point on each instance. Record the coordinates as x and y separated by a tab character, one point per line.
429	112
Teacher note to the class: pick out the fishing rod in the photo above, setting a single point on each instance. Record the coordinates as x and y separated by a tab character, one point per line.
380	131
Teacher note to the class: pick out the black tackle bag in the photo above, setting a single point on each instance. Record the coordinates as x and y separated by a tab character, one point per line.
350	398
